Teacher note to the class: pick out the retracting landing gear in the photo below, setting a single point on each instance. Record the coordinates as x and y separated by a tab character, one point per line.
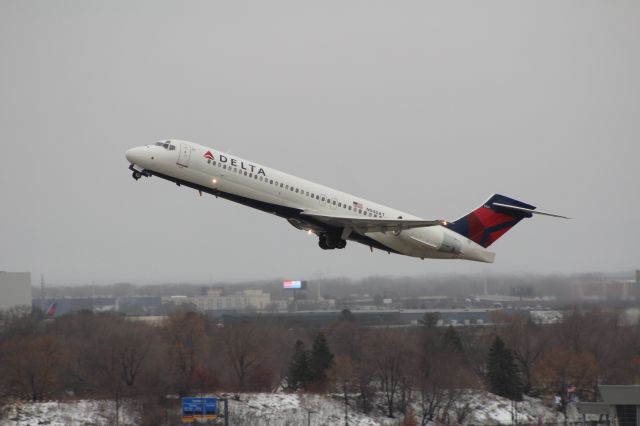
322	242
330	241
137	174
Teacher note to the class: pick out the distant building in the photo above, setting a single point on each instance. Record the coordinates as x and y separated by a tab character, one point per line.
367	318
144	303
257	298
620	405
612	290
65	305
153	320
15	289
136	305
214	299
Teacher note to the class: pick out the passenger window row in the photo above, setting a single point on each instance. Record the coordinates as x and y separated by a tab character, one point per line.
302	192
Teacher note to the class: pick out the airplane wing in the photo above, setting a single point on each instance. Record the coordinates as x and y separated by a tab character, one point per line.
364	225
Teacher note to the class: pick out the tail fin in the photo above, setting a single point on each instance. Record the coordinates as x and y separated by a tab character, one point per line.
492	219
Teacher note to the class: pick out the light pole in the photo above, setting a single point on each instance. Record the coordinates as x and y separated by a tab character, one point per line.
226	410
309	417
346	402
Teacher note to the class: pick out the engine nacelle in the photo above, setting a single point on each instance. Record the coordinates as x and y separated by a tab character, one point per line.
450	244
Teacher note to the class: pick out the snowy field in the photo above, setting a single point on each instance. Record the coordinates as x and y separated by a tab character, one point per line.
489	409
95	413
292	409
279	410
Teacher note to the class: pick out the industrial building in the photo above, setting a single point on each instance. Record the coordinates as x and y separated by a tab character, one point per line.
124	304
369	317
610	290
15	289
214	299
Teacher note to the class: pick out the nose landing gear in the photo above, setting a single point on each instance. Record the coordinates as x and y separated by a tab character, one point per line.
137	174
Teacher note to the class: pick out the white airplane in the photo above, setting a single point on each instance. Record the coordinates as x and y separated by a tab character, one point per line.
334	216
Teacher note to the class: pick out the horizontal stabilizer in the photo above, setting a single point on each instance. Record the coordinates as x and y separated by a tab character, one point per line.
522	209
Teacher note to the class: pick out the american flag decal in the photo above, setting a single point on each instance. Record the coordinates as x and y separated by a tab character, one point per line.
357	205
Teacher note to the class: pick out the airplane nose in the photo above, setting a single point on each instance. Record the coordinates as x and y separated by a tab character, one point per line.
134	155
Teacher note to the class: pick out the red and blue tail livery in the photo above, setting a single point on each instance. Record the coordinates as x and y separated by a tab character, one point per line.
489	222
493	219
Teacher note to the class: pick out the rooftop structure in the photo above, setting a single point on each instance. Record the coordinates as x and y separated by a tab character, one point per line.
620	403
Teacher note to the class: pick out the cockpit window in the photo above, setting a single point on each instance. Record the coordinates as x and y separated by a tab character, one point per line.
166	145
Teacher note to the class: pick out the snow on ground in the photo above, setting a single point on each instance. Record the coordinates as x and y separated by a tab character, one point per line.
279	409
293	409
52	413
490	409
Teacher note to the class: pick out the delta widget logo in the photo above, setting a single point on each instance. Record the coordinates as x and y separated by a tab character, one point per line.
208	155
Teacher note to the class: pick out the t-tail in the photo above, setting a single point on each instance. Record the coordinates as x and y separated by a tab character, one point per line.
493	219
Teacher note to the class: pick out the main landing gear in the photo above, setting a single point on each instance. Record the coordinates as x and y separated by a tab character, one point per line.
330	241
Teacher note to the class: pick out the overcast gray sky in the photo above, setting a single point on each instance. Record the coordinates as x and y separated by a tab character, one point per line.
428	107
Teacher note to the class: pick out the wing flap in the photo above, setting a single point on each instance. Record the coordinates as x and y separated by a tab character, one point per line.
365	225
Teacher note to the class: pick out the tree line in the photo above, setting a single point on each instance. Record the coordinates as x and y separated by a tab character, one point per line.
421	371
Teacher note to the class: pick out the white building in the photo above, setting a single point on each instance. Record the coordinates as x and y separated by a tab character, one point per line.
215	300
15	289
257	298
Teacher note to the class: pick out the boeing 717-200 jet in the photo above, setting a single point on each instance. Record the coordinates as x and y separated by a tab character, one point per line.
334	216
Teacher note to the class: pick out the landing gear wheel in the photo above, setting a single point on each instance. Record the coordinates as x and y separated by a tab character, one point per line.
322	242
136	175
328	241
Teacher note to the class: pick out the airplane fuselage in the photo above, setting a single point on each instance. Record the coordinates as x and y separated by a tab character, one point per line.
306	205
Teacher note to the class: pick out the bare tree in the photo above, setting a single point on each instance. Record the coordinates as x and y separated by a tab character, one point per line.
442	376
560	370
475	347
185	339
594	333
389	351
527	341
343	376
29	364
364	375
346	338
246	347
131	345
462	408
436	387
